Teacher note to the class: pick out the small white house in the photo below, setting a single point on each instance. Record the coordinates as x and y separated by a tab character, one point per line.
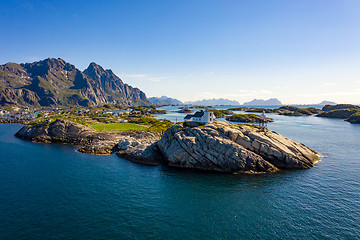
201	117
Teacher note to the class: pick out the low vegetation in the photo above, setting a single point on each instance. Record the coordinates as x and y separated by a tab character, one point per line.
114	127
339	113
134	119
154	125
221	113
107	107
252	116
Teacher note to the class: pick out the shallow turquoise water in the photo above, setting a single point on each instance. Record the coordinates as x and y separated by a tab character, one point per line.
49	191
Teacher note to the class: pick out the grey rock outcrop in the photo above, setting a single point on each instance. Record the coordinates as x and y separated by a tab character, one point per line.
63	131
135	146
222	147
141	149
355	118
233	149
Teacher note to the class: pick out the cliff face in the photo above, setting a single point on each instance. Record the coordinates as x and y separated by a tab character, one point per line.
229	149
54	82
116	90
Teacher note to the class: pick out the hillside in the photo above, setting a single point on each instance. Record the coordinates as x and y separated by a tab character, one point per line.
54	82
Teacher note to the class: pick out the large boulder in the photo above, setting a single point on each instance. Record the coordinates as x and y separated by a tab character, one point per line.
141	148
230	148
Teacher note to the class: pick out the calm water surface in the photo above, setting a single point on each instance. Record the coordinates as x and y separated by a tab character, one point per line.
50	191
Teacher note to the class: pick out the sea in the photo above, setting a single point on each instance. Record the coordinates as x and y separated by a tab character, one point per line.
51	191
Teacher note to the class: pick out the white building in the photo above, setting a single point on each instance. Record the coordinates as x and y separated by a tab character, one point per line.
201	117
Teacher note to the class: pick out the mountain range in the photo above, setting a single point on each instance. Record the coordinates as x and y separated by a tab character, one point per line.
54	82
261	102
326	103
164	100
208	102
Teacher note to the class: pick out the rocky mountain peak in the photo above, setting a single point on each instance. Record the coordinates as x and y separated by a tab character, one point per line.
95	71
55	82
43	67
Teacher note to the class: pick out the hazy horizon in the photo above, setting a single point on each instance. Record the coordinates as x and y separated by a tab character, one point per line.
299	52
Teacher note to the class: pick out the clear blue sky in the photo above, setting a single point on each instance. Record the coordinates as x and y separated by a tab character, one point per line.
298	51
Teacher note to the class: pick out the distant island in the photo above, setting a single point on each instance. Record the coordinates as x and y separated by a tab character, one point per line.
164	100
261	102
208	102
326	103
54	82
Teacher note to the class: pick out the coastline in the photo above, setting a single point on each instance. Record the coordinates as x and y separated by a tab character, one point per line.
221	147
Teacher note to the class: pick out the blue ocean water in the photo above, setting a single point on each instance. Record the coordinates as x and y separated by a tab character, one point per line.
50	191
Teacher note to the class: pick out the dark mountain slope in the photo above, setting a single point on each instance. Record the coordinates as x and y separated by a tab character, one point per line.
54	82
117	91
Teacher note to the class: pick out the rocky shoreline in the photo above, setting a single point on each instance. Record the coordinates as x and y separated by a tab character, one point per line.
62	131
221	147
12	120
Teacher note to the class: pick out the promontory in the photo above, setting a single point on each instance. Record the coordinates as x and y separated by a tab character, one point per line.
221	147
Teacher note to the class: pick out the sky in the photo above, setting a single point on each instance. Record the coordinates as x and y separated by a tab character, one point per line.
301	52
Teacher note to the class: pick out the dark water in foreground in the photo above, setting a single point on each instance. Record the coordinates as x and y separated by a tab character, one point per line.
49	191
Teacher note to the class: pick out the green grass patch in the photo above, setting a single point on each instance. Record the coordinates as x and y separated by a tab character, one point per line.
221	113
113	127
244	116
160	126
37	121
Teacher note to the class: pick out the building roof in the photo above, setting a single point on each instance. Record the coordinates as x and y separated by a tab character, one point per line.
197	115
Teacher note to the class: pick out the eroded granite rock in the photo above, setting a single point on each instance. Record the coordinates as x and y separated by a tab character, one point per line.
233	149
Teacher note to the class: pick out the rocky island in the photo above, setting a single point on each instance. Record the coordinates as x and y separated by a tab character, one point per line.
185	110
221	147
348	112
247	118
